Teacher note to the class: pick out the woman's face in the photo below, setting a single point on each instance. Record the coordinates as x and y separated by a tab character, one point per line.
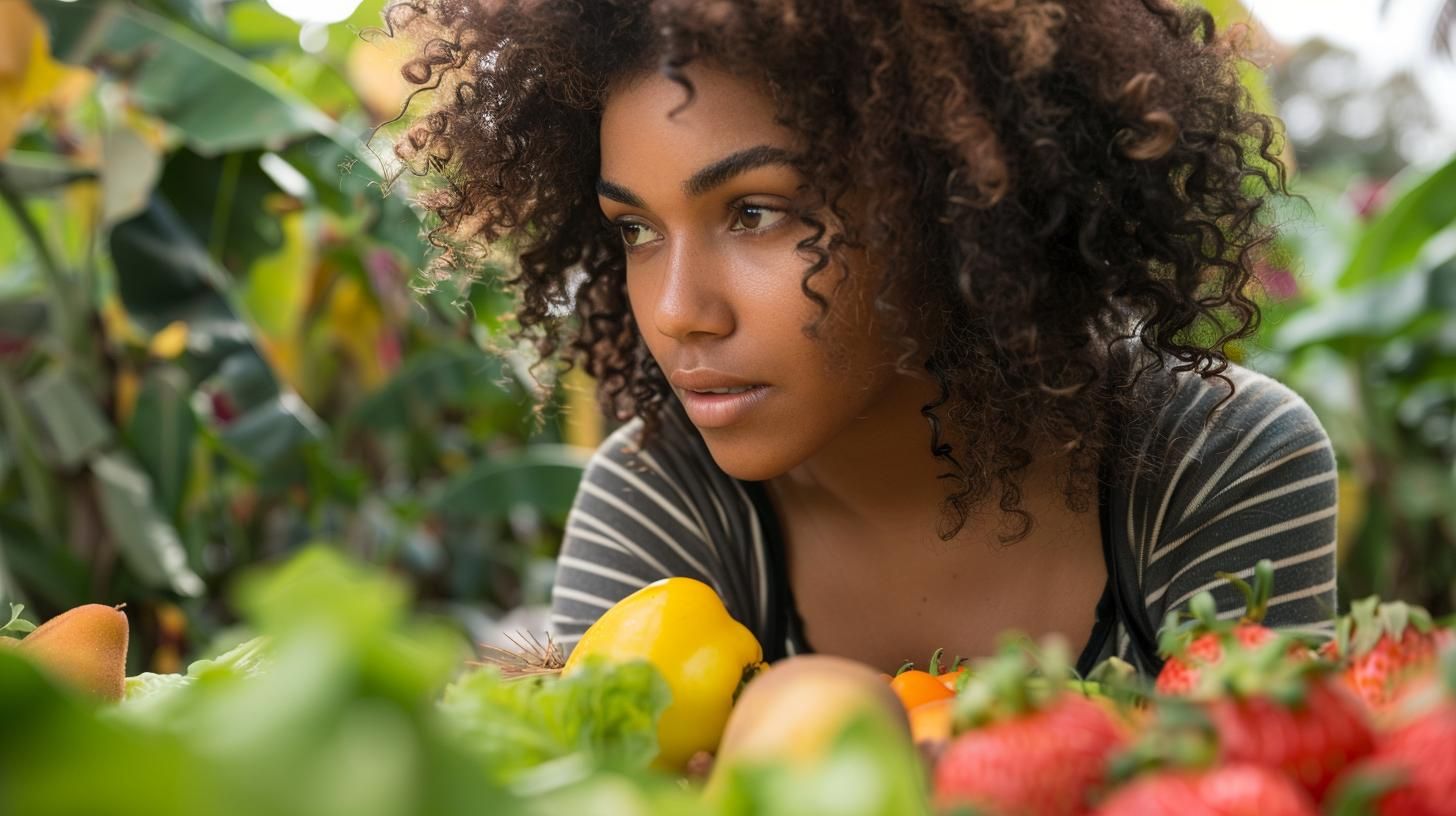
702	204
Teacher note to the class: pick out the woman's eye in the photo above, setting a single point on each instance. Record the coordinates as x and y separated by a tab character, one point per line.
633	234
755	218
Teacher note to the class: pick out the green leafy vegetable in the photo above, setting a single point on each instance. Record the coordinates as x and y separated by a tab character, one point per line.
607	714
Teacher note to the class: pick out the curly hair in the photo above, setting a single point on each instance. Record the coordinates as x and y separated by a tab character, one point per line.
1054	185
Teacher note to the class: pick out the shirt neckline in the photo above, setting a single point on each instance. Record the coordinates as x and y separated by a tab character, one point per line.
785	624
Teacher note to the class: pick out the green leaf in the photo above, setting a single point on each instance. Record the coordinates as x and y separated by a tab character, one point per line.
161	434
1377	310
152	698
274	432
67	416
434	379
277	288
545	476
148	543
605	713
1424	204
130	167
17	623
217	99
161	271
29	172
224	203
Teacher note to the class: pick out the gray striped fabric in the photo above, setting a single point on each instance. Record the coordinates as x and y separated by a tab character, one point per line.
1258	481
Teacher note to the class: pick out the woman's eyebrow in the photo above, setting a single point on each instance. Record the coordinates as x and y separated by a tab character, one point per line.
708	177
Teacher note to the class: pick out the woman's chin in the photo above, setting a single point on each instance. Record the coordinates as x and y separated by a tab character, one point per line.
749	461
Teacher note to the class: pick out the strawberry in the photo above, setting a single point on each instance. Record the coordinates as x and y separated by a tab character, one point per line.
1230	790
1201	642
1413	771
1293	717
1028	748
1384	646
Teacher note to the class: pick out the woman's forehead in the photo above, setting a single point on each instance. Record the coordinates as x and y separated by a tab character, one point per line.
726	113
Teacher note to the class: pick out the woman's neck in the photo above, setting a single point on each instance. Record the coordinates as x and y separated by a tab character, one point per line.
880	474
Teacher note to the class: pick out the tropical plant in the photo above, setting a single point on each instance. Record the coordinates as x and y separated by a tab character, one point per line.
1367	334
211	345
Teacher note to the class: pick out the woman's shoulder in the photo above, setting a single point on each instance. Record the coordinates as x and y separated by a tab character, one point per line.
1227	473
1195	419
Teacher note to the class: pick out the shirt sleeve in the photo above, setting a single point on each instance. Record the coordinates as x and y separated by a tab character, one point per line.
1257	481
629	525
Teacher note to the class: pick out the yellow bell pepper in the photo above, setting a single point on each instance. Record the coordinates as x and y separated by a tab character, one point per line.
681	627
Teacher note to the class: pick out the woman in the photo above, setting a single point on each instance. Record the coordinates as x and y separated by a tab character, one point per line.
915	313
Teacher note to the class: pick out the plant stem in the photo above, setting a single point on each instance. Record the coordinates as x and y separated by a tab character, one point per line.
222	209
67	322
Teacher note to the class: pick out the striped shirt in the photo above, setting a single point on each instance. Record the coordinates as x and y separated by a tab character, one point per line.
1256	481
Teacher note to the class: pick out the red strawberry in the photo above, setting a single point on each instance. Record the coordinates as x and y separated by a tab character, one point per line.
1413	771
1384	647
1230	790
1033	748
1293	717
1193	646
1184	667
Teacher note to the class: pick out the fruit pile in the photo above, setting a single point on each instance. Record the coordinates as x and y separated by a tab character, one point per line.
1242	718
665	706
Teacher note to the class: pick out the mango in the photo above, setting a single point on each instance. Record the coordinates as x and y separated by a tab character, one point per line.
792	712
84	647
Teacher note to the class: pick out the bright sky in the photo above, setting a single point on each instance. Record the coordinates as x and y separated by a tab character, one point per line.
1386	43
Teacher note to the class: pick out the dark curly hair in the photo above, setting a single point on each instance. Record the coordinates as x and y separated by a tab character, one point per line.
1054	185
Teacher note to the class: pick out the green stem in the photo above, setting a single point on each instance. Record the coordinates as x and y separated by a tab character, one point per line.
222	210
67	322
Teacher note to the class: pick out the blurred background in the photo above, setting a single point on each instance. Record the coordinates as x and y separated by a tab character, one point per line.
215	346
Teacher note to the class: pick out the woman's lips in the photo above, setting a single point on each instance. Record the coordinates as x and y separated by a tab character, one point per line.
721	410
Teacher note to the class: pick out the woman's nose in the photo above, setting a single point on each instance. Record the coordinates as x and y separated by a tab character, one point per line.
692	302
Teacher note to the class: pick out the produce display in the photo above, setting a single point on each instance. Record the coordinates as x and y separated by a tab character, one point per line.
335	697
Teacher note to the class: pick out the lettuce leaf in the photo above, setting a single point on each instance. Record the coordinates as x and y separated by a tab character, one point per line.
604	714
151	698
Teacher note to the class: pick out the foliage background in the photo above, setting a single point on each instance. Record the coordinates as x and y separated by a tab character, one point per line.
212	350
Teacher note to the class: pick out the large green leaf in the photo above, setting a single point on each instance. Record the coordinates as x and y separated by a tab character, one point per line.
1424	204
274	432
544	476
67	416
436	379
161	271
1378	310
148	543
223	203
161	434
164	275
216	98
47	573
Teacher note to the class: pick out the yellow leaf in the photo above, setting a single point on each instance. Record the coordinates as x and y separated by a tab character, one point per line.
116	323
18	22
583	415
373	68
127	386
25	85
282	357
1352	503
356	325
169	343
